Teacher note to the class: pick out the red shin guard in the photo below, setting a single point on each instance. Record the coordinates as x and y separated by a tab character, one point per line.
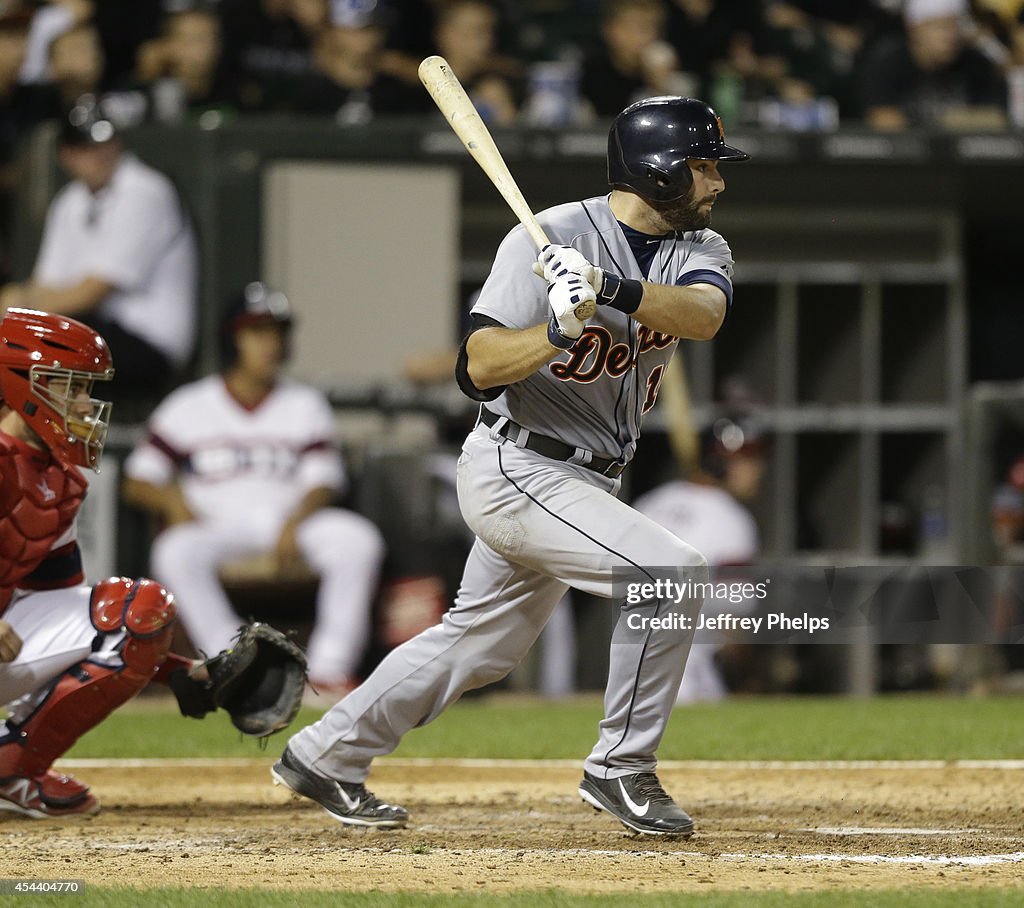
88	692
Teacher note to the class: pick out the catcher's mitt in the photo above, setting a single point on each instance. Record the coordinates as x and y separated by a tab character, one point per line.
259	682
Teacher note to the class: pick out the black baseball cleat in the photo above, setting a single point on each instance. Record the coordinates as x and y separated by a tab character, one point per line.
347	802
638	802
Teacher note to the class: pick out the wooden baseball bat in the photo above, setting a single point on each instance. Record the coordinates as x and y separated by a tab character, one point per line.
680	423
451	99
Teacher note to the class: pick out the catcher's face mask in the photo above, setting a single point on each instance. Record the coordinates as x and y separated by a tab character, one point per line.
68	395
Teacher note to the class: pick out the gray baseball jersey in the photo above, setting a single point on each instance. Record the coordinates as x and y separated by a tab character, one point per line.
543	524
610	378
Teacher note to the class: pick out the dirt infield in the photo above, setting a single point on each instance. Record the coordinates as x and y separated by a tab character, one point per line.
498	827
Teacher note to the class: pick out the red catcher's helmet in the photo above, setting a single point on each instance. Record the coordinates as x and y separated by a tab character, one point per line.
48	364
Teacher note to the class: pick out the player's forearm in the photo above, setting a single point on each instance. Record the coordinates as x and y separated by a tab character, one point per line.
503	356
165	501
10	643
77	299
694	312
143	495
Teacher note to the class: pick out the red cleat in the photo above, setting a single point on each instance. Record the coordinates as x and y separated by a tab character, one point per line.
48	795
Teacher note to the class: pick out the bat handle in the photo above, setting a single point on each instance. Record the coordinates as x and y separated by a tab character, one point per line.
537	234
584	310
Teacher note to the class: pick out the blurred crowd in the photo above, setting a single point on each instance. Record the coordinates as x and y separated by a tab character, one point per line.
800	64
796	65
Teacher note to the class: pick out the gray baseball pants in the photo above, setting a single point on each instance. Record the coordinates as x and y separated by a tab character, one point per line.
541	526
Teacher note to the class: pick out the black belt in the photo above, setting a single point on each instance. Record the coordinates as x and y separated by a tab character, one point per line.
550	447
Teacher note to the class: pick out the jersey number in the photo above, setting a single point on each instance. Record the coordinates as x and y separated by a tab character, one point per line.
653	384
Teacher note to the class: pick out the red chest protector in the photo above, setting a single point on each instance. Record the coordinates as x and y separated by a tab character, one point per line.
39	498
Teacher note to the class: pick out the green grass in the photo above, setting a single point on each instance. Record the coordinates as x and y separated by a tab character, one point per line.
812	728
102	897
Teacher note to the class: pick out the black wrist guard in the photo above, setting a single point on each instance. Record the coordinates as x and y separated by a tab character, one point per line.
620	293
556	338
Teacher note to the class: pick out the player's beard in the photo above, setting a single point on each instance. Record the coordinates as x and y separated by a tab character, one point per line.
684	214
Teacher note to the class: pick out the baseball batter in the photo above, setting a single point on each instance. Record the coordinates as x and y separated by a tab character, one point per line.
562	405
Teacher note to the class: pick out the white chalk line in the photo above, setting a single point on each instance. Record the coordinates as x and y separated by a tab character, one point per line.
936	860
163	762
889	830
487	763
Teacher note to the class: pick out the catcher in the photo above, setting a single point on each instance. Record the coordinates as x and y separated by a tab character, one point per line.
71	653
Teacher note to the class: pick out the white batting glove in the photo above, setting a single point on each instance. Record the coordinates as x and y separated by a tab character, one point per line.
557	261
565	295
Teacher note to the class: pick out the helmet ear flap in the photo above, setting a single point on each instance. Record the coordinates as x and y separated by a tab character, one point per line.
664	183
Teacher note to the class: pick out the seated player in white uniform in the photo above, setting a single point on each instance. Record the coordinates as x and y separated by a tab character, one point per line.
244	462
708	511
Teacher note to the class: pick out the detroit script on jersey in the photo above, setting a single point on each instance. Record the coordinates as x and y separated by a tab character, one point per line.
595	395
597	353
39	498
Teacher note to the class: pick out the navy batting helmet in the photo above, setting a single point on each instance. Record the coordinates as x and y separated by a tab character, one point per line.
650	141
257	304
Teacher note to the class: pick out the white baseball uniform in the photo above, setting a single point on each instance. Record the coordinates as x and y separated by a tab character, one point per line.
243	472
135	235
724	531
